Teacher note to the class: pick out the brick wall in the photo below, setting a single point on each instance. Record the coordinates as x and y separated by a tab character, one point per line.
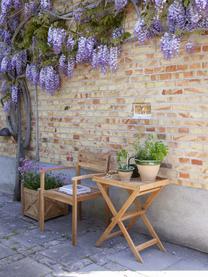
95	111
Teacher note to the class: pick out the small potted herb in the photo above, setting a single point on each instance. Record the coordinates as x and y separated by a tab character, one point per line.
124	170
149	156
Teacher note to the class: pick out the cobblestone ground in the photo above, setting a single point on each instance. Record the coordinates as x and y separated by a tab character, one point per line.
24	251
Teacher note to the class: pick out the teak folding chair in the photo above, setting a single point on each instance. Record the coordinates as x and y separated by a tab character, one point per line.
95	162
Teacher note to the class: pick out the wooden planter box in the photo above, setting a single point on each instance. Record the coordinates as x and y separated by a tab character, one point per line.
30	205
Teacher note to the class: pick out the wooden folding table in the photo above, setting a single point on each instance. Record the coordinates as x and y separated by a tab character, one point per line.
135	189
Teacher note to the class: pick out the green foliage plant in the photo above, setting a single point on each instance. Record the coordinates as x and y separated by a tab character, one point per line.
122	160
31	180
151	151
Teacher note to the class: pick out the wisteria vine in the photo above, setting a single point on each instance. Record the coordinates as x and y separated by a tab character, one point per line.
40	44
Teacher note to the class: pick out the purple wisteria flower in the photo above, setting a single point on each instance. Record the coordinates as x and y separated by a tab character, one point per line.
70	67
77	14
5	65
29	8
120	4
176	16
6	5
141	32
169	45
49	79
19	61
4	87
5	36
2	18
45	4
32	73
100	58
14	93
7	106
113	58
117	33
85	49
201	4
70	43
17	4
62	64
189	47
56	39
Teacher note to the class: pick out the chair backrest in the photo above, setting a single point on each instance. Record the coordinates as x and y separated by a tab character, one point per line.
98	162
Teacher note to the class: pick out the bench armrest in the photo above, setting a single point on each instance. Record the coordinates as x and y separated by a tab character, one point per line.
84	177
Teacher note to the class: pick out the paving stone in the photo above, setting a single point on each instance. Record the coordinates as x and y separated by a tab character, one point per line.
153	258
188	265
28	252
5	251
24	267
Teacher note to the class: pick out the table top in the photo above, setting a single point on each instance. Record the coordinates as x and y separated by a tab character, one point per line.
133	184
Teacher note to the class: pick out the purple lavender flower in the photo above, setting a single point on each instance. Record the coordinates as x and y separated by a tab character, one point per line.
176	16
45	4
141	31
113	58
169	45
5	65
120	4
70	43
32	73
56	38
85	49
28	166
7	106
14	93
70	67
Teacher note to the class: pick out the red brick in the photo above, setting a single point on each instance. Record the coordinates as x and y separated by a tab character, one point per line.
183	130
197	162
184	175
184	160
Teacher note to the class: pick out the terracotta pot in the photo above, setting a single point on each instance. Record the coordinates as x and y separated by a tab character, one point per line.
125	175
148	172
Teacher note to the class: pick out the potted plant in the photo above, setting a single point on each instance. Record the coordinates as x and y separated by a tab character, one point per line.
149	156
124	170
29	171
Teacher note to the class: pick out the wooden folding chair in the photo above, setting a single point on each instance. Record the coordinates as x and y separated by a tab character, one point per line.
95	162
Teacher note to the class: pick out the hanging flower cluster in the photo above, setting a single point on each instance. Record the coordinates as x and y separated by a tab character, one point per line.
47	46
181	17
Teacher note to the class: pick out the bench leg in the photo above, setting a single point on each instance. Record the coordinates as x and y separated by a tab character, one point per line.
74	224
41	211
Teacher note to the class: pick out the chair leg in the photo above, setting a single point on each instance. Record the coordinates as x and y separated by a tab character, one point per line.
74	224
80	211
41	211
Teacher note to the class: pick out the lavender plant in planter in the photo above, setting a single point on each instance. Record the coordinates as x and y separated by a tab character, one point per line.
149	157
